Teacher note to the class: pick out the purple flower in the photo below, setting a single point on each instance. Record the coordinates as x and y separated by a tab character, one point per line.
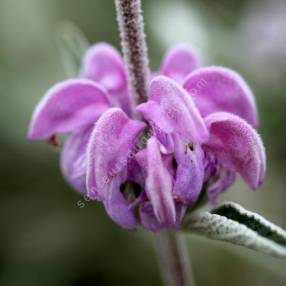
73	106
196	132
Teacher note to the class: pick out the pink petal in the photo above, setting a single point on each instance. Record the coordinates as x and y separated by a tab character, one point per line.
73	159
103	64
238	146
109	150
172	110
179	62
148	218
221	89
149	221
159	186
189	172
224	179
67	106
117	206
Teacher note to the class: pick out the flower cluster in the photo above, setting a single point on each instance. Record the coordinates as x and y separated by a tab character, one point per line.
148	163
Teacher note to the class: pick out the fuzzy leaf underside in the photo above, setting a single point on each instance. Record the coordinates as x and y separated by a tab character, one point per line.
232	223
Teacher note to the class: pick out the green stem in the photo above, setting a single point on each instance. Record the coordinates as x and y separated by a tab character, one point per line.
174	259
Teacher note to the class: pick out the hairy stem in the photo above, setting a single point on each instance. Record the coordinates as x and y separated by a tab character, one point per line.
174	259
131	27
171	247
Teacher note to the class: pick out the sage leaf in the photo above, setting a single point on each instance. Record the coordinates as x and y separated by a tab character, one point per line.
232	223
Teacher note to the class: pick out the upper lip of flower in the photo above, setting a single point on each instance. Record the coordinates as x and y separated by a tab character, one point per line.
66	107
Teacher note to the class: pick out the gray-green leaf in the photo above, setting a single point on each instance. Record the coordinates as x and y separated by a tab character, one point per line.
72	45
231	223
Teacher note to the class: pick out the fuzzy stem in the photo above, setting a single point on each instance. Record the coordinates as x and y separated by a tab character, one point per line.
171	247
174	259
131	27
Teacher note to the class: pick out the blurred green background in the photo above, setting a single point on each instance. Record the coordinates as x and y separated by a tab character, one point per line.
45	238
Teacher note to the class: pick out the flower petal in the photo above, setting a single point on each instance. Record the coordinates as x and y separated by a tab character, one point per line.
218	178
116	205
165	139
179	62
171	109
149	221
238	146
189	172
224	179
103	64
158	186
221	89
73	159
109	150
147	217
67	106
